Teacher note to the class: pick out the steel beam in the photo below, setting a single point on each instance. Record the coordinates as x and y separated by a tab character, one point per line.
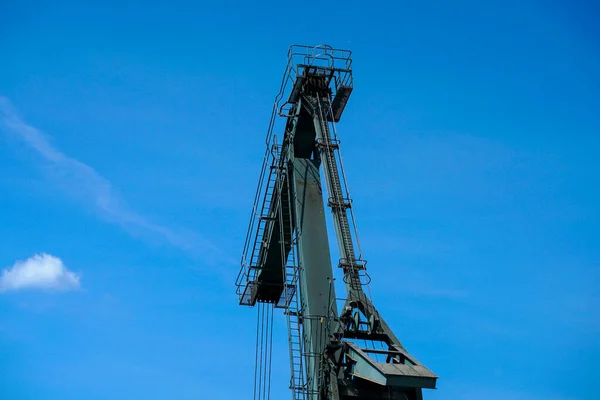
316	289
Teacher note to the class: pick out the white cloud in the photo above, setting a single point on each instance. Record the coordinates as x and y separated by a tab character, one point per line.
41	271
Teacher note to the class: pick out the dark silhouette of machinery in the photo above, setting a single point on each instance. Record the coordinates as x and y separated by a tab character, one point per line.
286	262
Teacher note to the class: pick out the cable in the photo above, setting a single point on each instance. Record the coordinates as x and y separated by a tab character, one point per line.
256	351
270	354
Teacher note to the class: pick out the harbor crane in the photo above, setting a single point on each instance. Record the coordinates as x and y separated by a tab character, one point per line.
340	348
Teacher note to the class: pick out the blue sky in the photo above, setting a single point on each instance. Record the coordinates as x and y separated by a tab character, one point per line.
131	136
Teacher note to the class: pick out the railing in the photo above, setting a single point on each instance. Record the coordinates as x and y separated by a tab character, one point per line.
259	220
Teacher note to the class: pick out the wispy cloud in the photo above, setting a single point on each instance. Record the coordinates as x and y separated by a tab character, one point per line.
93	190
41	271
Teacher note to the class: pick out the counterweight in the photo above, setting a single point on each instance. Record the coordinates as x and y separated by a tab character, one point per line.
286	262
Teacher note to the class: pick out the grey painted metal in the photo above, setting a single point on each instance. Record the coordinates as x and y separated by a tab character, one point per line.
407	375
314	265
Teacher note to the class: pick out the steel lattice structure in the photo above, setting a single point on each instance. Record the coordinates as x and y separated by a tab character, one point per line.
286	261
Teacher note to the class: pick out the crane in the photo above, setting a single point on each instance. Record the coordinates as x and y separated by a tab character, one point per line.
340	348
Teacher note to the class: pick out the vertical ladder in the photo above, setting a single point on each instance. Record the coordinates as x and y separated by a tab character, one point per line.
297	381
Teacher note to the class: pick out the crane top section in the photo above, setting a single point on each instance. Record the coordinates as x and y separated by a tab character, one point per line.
320	67
319	70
